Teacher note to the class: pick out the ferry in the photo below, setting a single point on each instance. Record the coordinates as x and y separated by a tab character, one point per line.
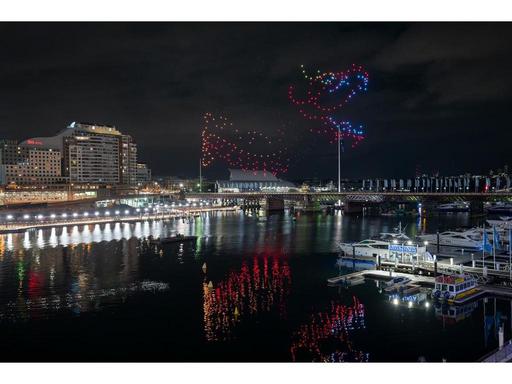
370	249
455	289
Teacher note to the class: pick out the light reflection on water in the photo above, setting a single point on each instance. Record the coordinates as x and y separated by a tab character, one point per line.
95	233
267	286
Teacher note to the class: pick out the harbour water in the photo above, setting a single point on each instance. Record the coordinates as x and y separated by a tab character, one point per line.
246	290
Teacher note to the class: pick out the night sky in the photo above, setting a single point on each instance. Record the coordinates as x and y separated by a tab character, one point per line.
439	96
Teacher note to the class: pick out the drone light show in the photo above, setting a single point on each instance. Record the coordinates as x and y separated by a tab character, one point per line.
325	97
249	150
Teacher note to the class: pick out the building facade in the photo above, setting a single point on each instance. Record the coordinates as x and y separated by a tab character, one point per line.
253	181
143	174
24	165
92	154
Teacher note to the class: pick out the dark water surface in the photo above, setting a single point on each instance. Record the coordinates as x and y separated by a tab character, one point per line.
94	293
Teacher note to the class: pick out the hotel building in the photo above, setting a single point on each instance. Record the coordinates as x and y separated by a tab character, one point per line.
83	153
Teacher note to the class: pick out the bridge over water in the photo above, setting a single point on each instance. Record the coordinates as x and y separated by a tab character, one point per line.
359	196
355	198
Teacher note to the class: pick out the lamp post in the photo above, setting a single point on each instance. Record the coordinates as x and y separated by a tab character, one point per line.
339	160
200	175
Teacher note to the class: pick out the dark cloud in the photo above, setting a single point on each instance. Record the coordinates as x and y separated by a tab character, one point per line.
433	87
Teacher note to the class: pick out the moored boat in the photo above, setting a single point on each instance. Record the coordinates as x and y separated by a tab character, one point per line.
174	239
397	283
452	239
455	289
458	206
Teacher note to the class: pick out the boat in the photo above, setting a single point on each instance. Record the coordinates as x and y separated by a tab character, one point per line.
179	238
505	222
478	233
367	249
390	236
499	208
397	283
453	239
458	206
456	288
370	249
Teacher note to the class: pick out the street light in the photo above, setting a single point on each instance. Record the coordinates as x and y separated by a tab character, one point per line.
75	214
96	213
107	213
53	216
127	212
64	215
9	217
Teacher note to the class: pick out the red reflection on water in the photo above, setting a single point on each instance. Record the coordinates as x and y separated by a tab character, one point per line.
326	336
245	293
35	282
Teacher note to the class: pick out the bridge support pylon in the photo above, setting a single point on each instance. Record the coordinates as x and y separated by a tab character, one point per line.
273	204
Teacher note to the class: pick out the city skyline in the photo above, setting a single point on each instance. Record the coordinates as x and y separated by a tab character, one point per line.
436	86
231	187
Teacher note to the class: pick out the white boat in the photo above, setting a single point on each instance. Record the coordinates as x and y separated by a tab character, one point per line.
453	239
505	222
367	248
384	246
390	236
370	249
478	234
397	283
458	206
399	280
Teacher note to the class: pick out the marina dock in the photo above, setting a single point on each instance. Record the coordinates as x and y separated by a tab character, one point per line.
422	280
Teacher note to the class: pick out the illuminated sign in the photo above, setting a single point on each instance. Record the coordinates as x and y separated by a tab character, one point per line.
403	248
34	142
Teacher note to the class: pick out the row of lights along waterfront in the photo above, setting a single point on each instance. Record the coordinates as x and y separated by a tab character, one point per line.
107	213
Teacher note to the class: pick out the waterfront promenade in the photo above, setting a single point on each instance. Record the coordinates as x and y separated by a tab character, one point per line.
36	222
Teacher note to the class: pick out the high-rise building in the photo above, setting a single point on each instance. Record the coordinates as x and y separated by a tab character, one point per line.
128	161
93	154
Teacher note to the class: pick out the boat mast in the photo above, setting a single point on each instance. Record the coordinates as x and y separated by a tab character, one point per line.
510	254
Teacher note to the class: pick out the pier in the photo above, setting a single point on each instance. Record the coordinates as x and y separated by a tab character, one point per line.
415	273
